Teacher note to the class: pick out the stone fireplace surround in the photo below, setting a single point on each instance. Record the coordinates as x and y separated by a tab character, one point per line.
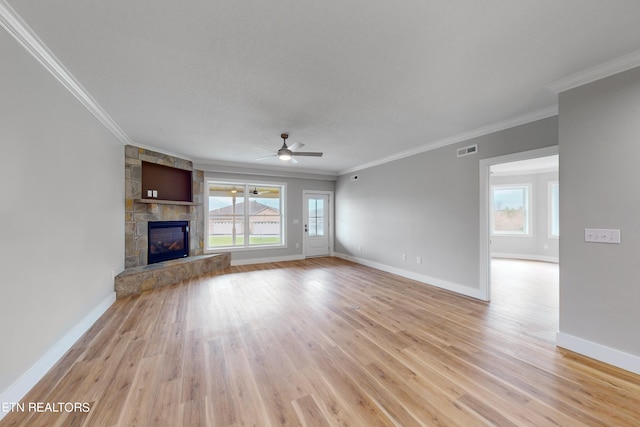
138	276
138	214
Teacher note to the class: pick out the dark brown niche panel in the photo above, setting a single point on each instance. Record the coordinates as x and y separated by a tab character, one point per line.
168	183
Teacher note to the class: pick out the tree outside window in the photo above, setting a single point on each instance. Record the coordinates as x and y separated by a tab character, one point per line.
510	214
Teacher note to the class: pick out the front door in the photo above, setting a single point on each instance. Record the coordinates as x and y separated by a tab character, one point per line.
316	225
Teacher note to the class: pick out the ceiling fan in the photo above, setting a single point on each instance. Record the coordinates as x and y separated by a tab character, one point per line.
287	153
255	192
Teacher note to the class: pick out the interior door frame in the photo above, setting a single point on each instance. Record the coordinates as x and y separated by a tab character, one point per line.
330	218
485	223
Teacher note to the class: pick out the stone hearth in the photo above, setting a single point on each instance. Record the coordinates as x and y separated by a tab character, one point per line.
139	279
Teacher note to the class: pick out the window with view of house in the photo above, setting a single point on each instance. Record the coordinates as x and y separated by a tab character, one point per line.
510	209
244	215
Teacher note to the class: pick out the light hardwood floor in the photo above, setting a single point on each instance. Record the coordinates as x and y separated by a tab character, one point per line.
324	342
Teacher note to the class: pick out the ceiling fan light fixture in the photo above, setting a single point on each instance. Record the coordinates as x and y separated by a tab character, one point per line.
288	153
284	153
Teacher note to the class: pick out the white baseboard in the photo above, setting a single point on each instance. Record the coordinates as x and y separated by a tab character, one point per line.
266	260
527	257
439	283
620	359
21	387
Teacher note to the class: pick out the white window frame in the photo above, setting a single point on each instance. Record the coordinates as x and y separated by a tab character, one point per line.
247	188
550	186
528	210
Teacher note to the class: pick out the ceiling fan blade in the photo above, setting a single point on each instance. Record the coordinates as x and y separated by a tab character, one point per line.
266	157
306	153
292	161
296	146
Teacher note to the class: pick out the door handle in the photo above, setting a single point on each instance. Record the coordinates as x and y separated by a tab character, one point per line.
306	230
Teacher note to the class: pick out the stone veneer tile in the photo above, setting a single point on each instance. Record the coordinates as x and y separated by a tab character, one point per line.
132	189
182	164
136	172
130	261
140	279
130	152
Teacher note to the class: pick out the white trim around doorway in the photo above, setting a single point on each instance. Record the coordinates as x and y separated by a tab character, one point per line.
331	217
485	225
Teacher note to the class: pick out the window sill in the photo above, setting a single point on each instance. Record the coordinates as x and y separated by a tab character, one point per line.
242	248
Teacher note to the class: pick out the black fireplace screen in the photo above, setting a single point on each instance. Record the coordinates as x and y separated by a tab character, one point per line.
168	240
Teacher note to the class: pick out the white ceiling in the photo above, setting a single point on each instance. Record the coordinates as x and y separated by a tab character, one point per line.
360	80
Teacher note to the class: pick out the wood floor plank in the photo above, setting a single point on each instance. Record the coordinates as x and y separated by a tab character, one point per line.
218	383
143	389
166	410
309	412
325	342
250	409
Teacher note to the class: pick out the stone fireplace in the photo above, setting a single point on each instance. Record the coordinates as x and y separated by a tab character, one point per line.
140	210
163	198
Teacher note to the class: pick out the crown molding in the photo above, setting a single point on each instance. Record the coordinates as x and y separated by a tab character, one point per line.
485	130
23	34
239	168
224	167
598	72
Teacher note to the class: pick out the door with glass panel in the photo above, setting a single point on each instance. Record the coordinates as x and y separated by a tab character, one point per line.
316	225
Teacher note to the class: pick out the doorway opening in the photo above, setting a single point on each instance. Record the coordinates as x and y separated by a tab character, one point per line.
519	194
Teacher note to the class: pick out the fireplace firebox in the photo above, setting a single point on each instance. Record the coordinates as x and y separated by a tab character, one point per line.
167	240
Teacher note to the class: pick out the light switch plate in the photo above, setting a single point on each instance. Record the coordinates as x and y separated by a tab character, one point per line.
602	235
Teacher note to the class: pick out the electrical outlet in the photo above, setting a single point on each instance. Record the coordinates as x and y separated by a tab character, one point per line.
404	257
602	235
419	260
359	248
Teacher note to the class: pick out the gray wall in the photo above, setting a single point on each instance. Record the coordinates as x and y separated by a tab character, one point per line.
294	232
61	210
538	246
427	205
599	134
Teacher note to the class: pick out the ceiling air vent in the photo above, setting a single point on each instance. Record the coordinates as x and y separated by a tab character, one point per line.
472	149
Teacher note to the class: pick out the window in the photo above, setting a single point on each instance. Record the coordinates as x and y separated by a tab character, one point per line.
510	213
245	215
316	217
554	209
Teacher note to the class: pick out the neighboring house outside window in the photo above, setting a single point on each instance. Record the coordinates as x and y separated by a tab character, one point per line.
244	215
